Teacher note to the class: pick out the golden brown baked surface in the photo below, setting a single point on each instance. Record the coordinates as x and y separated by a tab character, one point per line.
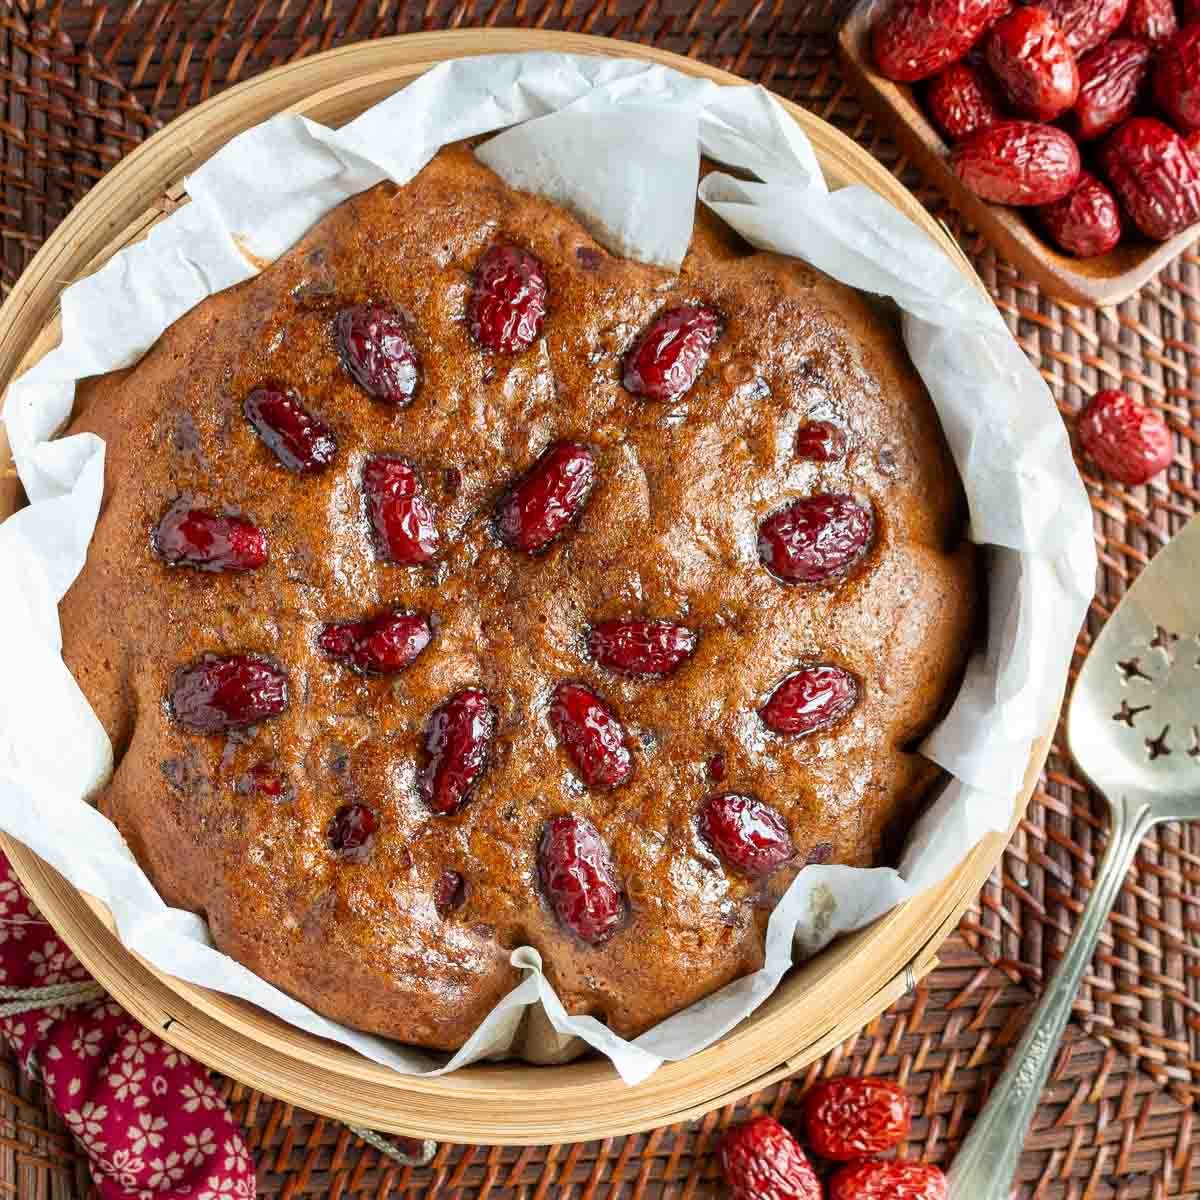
669	532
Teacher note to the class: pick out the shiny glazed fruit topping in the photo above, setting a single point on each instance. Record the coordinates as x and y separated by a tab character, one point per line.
591	735
1086	221
962	100
217	694
852	1118
1087	23
542	504
889	1180
817	539
762	1161
449	892
649	649
1018	162
508	304
1110	84
377	352
821	441
815	697
380	645
194	537
579	879
351	830
747	834
1029	55
401	518
457	740
300	441
1127	440
1154	175
668	355
914	39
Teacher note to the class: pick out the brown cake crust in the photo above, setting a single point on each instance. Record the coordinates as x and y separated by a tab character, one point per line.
670	531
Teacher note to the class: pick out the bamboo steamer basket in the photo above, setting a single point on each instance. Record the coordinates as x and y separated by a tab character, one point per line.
818	1005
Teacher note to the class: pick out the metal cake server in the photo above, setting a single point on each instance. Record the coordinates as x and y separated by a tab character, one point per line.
1134	730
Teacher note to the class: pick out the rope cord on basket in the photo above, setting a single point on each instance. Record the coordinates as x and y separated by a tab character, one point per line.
422	1159
66	995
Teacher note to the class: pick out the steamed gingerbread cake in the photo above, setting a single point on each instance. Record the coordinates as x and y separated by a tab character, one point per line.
460	586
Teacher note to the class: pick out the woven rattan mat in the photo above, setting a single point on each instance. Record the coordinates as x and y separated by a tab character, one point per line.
81	83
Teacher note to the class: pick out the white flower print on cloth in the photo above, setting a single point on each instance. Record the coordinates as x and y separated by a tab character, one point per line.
165	1173
217	1188
138	1044
151	1121
125	1166
237	1158
126	1079
16	916
146	1133
202	1096
170	1057
199	1146
86	1122
87	1043
54	963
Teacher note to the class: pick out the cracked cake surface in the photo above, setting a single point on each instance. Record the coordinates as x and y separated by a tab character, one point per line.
459	585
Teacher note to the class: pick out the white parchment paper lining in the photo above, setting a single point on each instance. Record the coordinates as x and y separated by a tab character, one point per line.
618	142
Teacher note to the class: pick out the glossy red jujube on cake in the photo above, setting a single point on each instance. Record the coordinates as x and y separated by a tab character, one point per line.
816	540
540	506
646	649
379	645
747	833
814	697
508	304
591	734
378	353
195	537
457	741
671	352
401	517
215	694
301	441
580	880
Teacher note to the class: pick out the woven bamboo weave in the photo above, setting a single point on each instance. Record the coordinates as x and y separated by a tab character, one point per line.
1105	1129
82	83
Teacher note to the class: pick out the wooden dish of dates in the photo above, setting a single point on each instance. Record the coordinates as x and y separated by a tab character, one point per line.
1066	131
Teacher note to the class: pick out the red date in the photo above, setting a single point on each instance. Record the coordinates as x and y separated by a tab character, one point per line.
457	741
579	879
747	833
816	540
215	695
380	645
194	537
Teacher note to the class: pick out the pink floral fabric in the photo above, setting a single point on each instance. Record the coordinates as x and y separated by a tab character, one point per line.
149	1118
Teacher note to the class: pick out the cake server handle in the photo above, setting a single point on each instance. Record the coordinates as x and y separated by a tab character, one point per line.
987	1161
